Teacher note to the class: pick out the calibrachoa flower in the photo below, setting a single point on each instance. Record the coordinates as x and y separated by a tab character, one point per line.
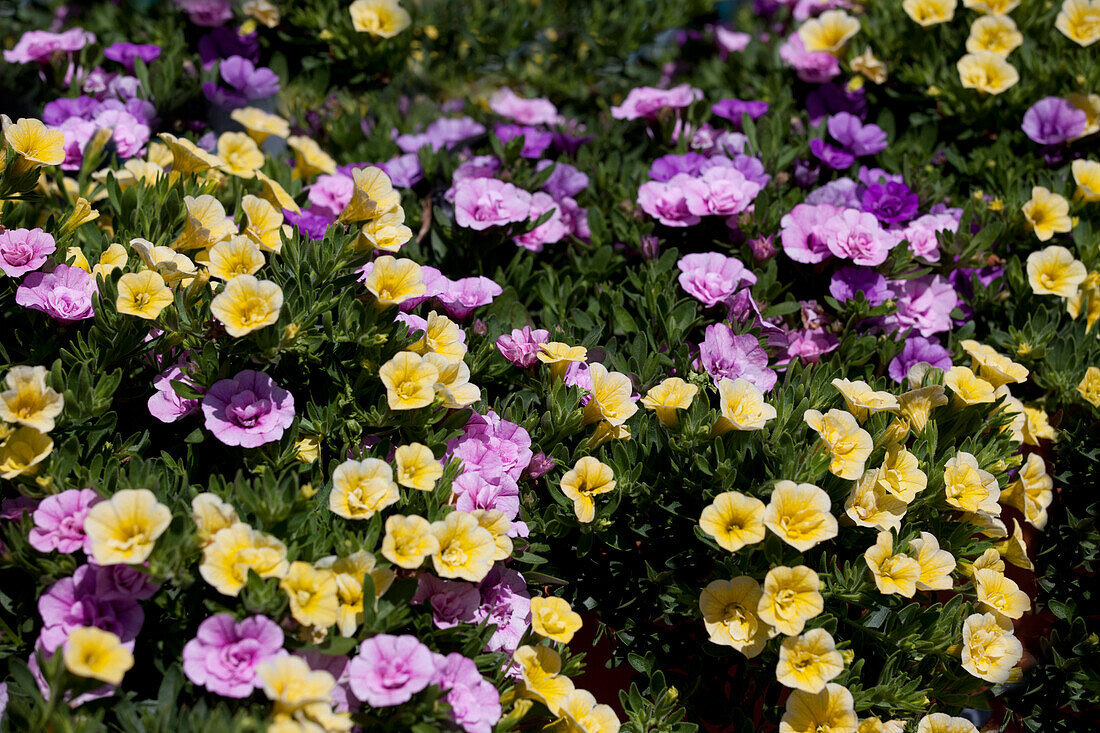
389	670
521	346
248	410
124	528
481	203
1053	121
59	522
726	355
712	277
24	250
98	654
64	294
475	703
224	654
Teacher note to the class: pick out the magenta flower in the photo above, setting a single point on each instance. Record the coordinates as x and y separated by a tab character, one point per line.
648	102
477	491
126	53
165	404
389	670
248	410
535	140
810	344
508	442
734	109
506	604
550	231
565	180
712	277
481	203
330	194
918	349
507	103
678	202
814	67
801	232
65	294
474	701
81	600
890	202
725	354
24	250
668	166
857	236
921	234
730	41
59	521
833	156
41	45
848	281
729	192
460	297
521	346
452	602
1053	121
224	654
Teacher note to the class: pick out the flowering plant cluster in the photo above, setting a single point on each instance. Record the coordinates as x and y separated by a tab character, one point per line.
378	366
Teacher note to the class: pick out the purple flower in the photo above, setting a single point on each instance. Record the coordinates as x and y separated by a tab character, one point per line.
678	202
207	13
648	102
224	654
474	701
921	234
728	191
78	601
24	250
59	521
389	670
404	170
535	141
668	166
308	222
41	45
1053	121
919	349
857	235
126	53
829	99
751	168
856	137
848	281
843	193
801	232
712	277
550	231
16	507
488	439
248	410
810	344
478	491
330	194
891	203
460	297
245	82
481	203
734	109
521	346
130	134
507	103
814	67
924	304
564	181
453	602
871	176
223	42
832	156
506	604
65	294
446	132
539	465
124	582
165	404
725	354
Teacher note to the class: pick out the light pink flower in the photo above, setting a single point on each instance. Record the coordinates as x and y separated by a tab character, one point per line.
550	231
857	236
678	202
801	232
24	250
481	203
648	101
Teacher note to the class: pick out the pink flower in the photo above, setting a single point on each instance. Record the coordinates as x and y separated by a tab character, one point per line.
224	654
730	41
801	232
810	345
248	410
924	304
88	598
815	67
857	236
64	294
481	203
678	202
453	602
648	101
921	234
330	194
506	604
166	404
389	670
521	346
728	191
24	250
712	277
474	701
461	297
59	521
77	133
130	134
552	230
40	45
476	491
505	440
208	13
725	354
507	103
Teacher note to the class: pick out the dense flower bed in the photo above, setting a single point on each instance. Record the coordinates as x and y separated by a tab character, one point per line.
445	366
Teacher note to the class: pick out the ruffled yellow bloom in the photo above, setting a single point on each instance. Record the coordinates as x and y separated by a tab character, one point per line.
372	196
387	232
1055	271
379	18
133	171
349	573
583	714
992	7
466	548
362	488
499	526
28	400
1047	214
893	573
111	259
559	356
1079	21
1037	426
1086	173
791	598
611	397
206	223
1032	491
936	565
441	336
730	614
188	158
408	540
588	478
917	404
832	710
828	32
236	256
237	549
998	593
309	159
124	528
22	451
849	444
410	381
417	467
274	194
928	13
668	398
453	383
967	487
876	725
265	223
34	145
312	595
901	475
733	520
1090	105
799	515
1014	549
994	33
1086	299
987	72
98	654
553	618
172	266
969	388
809	661
247	304
990	651
862	401
1089	388
210	515
240	154
142	294
606	431
944	723
540	676
742	406
870	67
302	697
393	281
259	124
995	368
870	505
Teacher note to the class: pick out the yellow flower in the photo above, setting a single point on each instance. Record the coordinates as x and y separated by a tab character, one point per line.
379	18
606	431
987	72
799	515
733	520
936	565
893	573
441	336
372	196
862	401
265	223
875	725
417	467
872	69
588	478
236	256
554	619
34	144
1089	388
188	158
927	13
829	711
969	488
1079	21
349	573
1014	549
410	381
1055	271
809	661
466	548
387	232
312	595
990	651
742	406
81	214
1086	173
408	540
581	712
1032	491
210	514
240	154
28	400
828	31
301	694
969	388
206	223
499	526
142	294
1087	298
1090	105
453	382
247	304
995	368
668	397
559	356
393	281
730	614
540	676
1047	214
901	475
309	159
916	405
362	488
994	33
259	124
992	7
791	598
999	594
611	397
274	194
98	654
23	450
237	549
171	265
870	505
944	723
1037	426
124	528
849	444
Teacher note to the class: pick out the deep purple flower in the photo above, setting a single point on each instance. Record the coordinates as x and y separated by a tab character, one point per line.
725	354
24	250
224	654
126	53
224	41
452	602
734	109
243	83
308	222
919	349
59	522
829	99
848	281
1053	121
389	670
248	410
540	464
891	203
521	346
64	294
